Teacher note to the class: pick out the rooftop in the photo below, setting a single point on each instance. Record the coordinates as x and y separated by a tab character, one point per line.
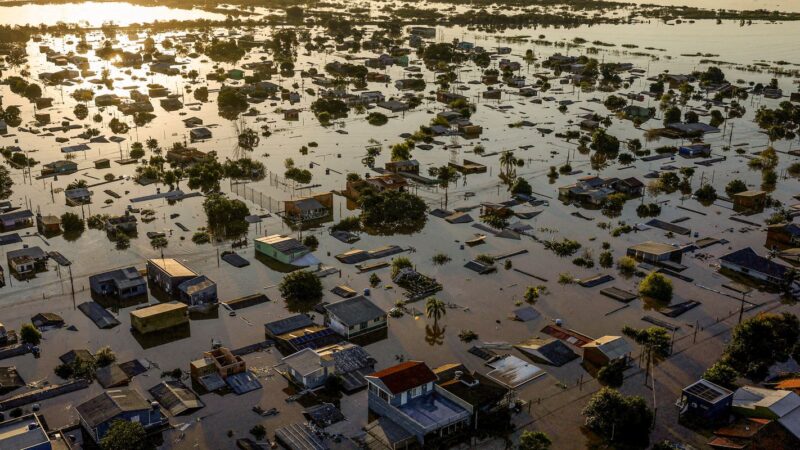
22	432
433	411
355	310
172	267
405	376
110	404
158	309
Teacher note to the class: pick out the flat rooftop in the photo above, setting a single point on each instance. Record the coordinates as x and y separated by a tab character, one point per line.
23	432
433	410
155	310
172	267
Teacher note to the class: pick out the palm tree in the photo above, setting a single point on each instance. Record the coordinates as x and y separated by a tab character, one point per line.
152	145
435	309
444	176
509	163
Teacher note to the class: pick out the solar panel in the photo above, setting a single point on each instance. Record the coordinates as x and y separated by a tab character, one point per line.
704	392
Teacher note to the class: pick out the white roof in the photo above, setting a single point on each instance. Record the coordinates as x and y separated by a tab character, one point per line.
305	362
612	346
780	402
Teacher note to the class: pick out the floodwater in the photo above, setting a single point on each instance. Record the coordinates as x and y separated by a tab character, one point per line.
481	303
741	5
95	14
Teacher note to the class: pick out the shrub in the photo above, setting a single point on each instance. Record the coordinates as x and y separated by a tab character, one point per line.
656	286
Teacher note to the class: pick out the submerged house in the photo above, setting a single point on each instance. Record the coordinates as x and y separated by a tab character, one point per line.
168	274
309	208
591	189
286	250
355	316
411	408
121	284
198	291
748	263
602	351
655	252
783	236
706	402
16	219
97	414
311	368
27	261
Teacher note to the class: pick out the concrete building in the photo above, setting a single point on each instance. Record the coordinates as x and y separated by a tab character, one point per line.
655	252
168	274
159	317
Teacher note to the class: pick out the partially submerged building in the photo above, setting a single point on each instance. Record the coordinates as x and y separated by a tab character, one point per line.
121	284
355	316
159	317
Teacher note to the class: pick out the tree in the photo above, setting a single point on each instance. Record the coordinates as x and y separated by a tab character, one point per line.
672	115
391	212
259	432
534	440
613	373
619	419
248	139
532	294
604	142
654	340
311	242
444	176
761	341
657	287
201	94
615	103
81	111
72	223
301	287
712	75
124	435
691	117
28	334
137	150
722	374
104	357
734	187
226	217
706	194
117	126
508	165
205	175
521	186
435	309
401	151
6	183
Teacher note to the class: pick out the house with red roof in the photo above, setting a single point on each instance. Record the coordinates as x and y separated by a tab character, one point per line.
411	409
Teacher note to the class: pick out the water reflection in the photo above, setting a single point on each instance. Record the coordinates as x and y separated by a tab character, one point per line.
95	14
434	335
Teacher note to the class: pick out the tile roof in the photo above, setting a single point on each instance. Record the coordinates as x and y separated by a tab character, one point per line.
405	376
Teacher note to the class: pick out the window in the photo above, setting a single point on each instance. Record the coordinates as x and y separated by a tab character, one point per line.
416	392
363	325
383	395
